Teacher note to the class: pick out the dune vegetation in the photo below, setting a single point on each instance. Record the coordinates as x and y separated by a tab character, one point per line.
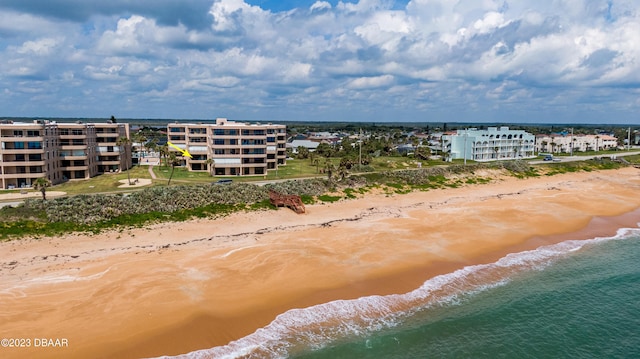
97	212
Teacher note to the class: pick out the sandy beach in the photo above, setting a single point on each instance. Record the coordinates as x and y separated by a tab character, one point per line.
173	288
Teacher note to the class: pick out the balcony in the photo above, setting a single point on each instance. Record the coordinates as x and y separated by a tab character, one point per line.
74	168
23	175
26	151
8	163
254	155
109	162
73	147
254	165
22	138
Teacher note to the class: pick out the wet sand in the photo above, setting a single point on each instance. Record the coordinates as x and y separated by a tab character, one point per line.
173	288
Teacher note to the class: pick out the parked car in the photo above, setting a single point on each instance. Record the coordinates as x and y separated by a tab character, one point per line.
223	181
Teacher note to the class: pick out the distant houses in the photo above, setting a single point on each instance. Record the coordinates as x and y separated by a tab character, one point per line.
568	143
312	140
308	144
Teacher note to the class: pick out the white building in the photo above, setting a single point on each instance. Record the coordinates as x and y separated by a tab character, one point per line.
492	144
308	144
567	143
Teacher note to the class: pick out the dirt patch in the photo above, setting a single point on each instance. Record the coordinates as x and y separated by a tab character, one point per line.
135	182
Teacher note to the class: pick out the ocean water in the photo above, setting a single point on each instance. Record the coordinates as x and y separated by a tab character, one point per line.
576	299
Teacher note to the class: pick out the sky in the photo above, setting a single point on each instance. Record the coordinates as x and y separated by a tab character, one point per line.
510	61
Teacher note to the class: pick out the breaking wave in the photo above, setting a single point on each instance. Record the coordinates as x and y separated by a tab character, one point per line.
315	327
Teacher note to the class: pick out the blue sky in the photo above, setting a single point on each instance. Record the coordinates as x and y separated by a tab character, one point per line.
570	61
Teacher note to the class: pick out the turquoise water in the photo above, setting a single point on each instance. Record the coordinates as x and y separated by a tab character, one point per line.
576	299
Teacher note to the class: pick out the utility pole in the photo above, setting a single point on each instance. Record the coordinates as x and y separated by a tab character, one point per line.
465	146
571	143
360	145
629	139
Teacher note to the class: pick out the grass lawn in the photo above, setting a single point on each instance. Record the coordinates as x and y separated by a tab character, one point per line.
295	168
180	175
102	183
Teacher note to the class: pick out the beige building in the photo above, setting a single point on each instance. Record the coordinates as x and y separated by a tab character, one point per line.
234	148
558	143
59	151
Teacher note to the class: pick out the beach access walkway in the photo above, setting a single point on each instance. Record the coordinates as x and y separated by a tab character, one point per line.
153	175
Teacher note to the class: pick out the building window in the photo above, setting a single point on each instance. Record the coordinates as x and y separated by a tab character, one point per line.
218	142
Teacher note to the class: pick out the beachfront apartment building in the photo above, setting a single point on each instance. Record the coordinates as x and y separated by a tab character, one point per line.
568	143
59	151
228	148
492	144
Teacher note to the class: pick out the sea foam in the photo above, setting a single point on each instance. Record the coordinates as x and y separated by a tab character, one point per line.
318	326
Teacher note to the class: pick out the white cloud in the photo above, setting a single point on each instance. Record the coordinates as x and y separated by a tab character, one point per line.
491	21
430	55
371	82
41	47
320	5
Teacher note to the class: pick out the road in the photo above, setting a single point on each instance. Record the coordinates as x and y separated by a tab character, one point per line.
583	158
534	162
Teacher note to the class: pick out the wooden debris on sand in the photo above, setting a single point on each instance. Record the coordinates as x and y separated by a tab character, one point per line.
287	200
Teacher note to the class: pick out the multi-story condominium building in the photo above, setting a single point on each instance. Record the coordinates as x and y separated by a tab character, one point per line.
567	143
492	144
229	148
59	151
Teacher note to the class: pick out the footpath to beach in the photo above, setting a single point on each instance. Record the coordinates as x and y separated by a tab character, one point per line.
176	287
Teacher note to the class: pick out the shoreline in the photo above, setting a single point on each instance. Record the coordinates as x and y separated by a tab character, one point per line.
174	288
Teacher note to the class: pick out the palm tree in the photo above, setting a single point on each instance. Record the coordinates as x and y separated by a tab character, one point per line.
140	138
343	171
152	145
41	184
303	152
174	162
597	146
124	142
164	153
211	164
329	168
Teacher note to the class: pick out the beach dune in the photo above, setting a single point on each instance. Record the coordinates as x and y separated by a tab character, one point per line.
173	288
